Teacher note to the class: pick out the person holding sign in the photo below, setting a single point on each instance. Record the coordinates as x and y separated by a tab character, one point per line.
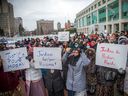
76	78
110	69
34	81
9	82
122	84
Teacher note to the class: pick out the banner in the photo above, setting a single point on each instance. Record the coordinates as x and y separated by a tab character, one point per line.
111	55
63	36
14	59
48	58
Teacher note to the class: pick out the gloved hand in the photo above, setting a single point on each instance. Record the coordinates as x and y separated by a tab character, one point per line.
121	71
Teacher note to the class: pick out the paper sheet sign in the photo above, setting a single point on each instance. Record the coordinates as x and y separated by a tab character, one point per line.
48	58
14	59
63	36
111	55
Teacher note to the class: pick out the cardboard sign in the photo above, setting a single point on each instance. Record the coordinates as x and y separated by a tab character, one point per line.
63	36
48	58
14	59
111	55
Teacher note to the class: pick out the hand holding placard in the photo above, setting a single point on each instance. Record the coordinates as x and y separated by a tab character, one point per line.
111	55
14	59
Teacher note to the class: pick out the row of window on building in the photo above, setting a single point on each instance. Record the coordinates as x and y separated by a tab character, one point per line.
104	14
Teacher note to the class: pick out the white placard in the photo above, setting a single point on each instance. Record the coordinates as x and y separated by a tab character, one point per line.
63	36
111	55
48	58
14	59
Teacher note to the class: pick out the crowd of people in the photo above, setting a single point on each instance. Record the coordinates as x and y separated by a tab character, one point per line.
80	76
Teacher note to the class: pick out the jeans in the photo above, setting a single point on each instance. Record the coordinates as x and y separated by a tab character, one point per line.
71	93
82	93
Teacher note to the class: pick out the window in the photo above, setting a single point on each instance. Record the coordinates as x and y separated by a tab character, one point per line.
102	19
82	21
94	17
92	8
95	6
104	1
99	3
124	9
125	26
105	27
113	11
89	9
102	14
125	13
102	10
88	20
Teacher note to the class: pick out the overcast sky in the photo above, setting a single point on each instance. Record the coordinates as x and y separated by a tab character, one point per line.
57	10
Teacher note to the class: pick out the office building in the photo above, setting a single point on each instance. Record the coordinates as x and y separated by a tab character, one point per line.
103	16
45	27
59	26
6	18
18	24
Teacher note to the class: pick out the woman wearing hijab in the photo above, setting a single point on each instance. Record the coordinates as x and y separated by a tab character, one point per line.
34	81
9	81
76	77
90	71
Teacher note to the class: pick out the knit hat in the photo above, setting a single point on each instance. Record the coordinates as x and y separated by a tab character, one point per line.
121	37
123	41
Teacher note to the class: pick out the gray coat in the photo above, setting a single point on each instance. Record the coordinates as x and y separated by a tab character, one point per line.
76	77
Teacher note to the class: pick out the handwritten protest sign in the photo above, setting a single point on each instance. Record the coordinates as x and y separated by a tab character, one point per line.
14	59
63	36
111	55
48	58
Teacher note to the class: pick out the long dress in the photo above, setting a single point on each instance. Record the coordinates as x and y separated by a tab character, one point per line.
9	83
34	81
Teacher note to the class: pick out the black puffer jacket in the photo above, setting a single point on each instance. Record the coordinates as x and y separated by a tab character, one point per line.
54	81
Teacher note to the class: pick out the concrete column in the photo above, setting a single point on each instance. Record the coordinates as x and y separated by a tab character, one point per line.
120	27
120	15
91	18
113	28
106	13
97	17
9	31
120	9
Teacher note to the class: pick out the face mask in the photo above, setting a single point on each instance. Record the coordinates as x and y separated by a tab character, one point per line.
87	46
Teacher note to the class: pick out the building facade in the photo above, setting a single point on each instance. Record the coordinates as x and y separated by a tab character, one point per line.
11	19
59	26
6	18
67	25
18	22
45	27
103	16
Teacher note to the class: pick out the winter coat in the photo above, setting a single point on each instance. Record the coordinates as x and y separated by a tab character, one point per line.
54	81
76	77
